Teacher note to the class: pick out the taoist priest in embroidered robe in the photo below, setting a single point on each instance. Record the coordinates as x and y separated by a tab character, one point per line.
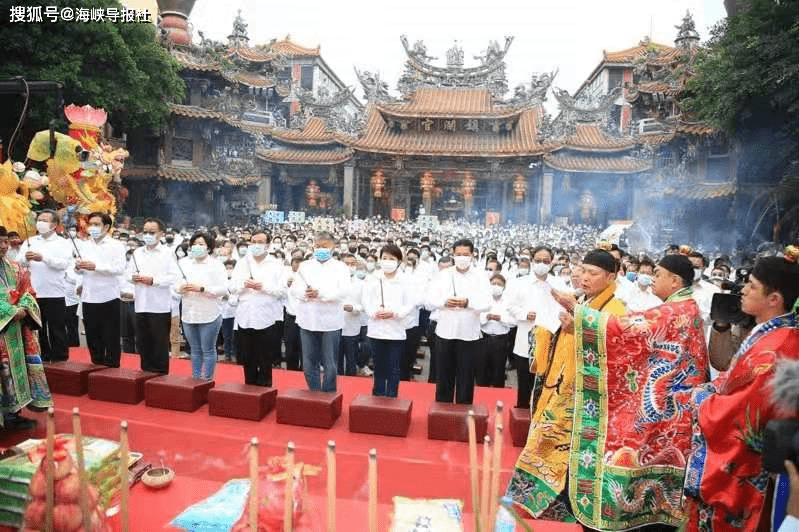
22	378
634	376
539	481
725	481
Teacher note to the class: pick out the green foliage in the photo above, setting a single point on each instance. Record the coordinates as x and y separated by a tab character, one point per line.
748	77
120	67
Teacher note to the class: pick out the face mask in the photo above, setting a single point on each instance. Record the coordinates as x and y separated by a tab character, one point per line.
540	269
277	245
497	290
290	245
149	239
257	249
360	274
169	239
95	231
462	263
697	274
389	265
523	271
43	227
198	252
370	266
352	270
425	254
73	233
631	276
644	279
322	254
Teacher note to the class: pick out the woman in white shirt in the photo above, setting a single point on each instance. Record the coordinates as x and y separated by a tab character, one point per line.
203	287
387	302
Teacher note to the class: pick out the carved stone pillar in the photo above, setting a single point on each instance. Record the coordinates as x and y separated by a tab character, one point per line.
545	212
349	175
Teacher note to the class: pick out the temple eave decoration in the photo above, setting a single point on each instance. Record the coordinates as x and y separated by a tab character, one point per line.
596	164
306	157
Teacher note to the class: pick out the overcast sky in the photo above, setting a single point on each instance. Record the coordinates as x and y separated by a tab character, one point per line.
565	34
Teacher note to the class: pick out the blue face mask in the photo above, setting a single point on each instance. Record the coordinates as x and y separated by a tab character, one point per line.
632	276
322	254
645	279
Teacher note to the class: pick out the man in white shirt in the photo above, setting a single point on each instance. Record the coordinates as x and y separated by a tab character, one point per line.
101	264
702	290
153	271
259	282
529	296
320	286
460	293
641	298
48	256
495	324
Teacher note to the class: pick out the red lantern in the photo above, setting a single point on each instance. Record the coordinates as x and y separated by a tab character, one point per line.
312	193
468	186
427	183
519	187
378	184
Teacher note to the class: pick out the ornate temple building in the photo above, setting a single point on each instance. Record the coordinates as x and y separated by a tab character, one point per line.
271	127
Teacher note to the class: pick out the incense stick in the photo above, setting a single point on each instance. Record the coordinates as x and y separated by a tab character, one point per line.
498	423
50	470
288	514
123	476
331	486
484	482
473	474
254	485
373	490
495	470
84	488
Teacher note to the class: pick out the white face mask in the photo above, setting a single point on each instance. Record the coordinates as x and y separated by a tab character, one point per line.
540	269
43	227
370	266
462	263
257	249
697	273
497	290
198	252
389	265
95	231
149	239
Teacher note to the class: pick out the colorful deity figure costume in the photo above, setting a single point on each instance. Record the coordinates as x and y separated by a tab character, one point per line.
539	481
14	207
82	170
725	481
22	379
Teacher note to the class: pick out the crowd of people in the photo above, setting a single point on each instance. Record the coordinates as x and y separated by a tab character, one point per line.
358	297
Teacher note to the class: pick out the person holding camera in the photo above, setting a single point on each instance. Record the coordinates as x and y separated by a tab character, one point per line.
725	480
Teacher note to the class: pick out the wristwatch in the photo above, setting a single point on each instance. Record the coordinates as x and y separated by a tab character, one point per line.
202	289
722	328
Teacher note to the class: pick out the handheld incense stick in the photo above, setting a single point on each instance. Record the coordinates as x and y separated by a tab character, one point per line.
373	490
50	470
495	470
498	422
289	510
454	292
382	300
254	485
331	486
84	488
181	271
136	264
123	477
484	482
473	475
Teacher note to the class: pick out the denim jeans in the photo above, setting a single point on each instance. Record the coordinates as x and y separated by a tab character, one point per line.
346	357
320	347
387	355
227	338
202	339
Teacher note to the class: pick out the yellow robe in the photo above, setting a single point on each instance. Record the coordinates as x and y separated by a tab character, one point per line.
539	481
